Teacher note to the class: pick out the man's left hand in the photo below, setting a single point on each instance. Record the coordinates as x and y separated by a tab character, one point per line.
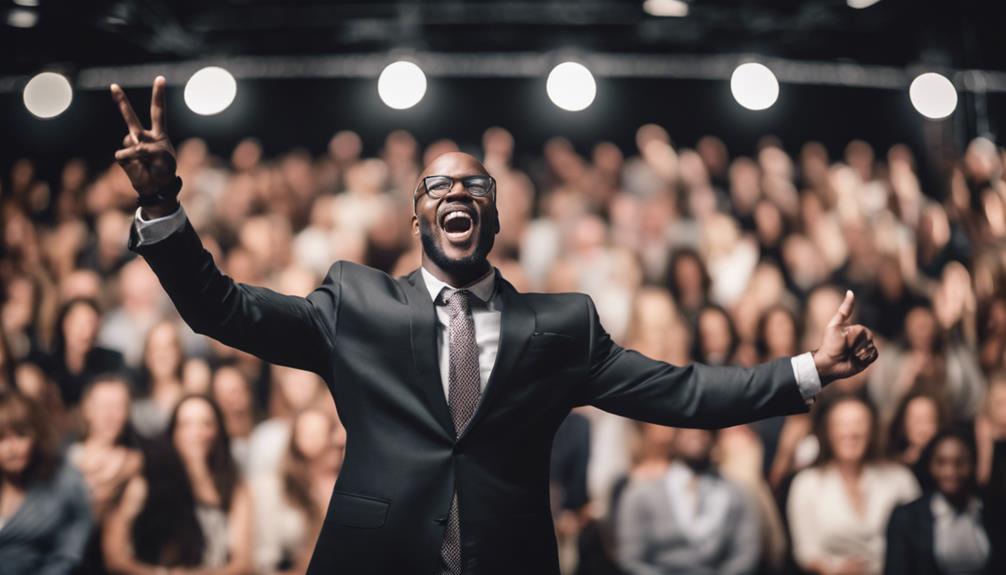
845	349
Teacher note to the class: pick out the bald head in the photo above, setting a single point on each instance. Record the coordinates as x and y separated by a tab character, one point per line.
454	164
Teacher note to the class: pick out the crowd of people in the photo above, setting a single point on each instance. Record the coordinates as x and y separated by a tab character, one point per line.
129	444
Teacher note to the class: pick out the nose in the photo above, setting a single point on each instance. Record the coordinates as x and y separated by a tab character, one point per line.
458	192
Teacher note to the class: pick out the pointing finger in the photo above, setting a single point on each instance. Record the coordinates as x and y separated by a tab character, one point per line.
844	312
132	122
157	106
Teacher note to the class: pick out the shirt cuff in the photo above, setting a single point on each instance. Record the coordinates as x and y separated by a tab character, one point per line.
806	375
155	230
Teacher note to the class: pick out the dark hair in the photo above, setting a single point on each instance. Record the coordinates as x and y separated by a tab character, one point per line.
827	405
897	439
672	272
761	340
697	353
20	415
127	436
929	451
167	532
59	338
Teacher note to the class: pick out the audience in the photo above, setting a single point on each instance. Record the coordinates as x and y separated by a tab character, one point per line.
949	530
291	504
838	508
45	518
688	519
690	255
189	509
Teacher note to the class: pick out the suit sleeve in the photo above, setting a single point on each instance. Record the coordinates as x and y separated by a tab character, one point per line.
282	329
630	384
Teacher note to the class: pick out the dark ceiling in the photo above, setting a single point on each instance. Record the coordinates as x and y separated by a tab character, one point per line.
75	33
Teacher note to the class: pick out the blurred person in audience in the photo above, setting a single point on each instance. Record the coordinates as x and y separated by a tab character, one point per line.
568	485
689	282
22	315
126	325
689	518
189	511
159	379
990	435
838	509
949	530
293	391
31	380
231	390
196	376
107	455
917	419
929	360
76	356
45	515
290	505
715	341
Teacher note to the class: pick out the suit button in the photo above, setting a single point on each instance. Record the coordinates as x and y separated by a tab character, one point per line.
441	520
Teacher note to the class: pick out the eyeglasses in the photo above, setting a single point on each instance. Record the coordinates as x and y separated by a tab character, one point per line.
478	186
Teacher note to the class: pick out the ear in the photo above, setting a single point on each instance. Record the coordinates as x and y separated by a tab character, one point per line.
415	225
496	218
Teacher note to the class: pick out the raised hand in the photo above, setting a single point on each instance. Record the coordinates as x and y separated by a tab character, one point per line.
147	156
845	349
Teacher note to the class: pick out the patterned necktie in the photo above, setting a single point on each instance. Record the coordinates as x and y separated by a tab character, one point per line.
463	396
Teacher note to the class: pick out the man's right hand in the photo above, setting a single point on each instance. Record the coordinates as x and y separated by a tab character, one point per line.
147	155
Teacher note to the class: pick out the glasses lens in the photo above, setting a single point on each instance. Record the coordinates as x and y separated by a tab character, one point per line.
478	185
437	185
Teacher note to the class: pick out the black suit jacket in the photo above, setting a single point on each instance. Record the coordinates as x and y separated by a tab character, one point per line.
373	339
910	543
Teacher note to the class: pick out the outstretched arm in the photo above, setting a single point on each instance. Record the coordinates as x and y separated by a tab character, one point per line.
282	329
628	383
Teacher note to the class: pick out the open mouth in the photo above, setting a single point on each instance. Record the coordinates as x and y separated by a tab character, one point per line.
458	223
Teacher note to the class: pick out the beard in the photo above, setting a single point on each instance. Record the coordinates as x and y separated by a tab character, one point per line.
470	264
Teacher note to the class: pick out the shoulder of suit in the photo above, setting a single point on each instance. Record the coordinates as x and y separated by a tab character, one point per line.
347	273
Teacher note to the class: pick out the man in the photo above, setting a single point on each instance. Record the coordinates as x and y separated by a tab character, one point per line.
688	520
451	384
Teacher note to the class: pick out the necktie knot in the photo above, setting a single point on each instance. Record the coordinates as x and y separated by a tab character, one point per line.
458	302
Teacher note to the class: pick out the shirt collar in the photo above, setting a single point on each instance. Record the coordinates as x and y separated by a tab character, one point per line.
483	288
940	507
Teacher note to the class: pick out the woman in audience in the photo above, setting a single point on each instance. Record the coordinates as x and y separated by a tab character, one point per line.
108	456
189	511
947	531
838	508
75	357
160	379
292	391
917	419
231	390
45	518
716	339
290	506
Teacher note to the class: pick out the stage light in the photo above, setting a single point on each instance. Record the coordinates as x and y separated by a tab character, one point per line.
754	86
47	95
860	4
933	95
18	18
210	90
401	85
667	8
27	3
571	86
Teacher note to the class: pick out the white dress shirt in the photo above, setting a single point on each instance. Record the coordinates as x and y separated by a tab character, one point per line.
960	544
486	317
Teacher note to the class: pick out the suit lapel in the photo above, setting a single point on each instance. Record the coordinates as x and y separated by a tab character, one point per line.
517	323
424	352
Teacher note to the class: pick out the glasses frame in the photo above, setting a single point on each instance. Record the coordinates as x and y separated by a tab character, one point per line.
491	191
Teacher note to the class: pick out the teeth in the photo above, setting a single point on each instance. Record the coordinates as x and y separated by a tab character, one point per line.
453	215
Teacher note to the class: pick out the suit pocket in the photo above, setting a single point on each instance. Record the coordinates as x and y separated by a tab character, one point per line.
361	511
